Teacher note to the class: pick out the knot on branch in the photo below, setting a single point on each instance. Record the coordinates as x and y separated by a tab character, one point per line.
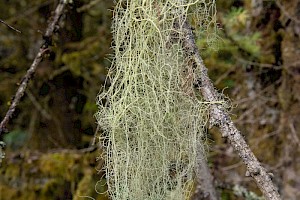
253	172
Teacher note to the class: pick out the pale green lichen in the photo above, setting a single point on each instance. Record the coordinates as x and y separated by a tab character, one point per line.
151	118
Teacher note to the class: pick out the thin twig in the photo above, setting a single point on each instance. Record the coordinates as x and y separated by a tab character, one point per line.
38	106
261	65
95	136
220	118
88	6
26	12
30	72
286	13
294	134
9	26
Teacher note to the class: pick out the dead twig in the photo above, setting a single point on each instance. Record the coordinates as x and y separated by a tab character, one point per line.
30	72
38	106
220	118
9	26
286	13
88	6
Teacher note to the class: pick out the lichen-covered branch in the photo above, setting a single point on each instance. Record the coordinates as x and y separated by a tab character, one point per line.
152	124
220	118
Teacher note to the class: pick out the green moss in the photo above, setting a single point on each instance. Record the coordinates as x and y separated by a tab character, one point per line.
13	171
59	164
54	187
7	192
81	60
60	175
90	187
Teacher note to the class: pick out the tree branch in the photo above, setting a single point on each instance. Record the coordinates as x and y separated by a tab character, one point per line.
205	181
220	118
30	72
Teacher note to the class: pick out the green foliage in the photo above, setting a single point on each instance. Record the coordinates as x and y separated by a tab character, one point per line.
235	38
236	29
235	42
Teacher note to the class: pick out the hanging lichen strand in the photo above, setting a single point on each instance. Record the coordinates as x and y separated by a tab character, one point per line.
150	115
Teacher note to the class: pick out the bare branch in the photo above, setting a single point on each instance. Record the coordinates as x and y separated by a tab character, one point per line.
220	118
30	72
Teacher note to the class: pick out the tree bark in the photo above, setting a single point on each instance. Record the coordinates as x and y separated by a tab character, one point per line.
205	181
220	118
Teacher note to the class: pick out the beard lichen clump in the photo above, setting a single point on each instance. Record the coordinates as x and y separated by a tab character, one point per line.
151	119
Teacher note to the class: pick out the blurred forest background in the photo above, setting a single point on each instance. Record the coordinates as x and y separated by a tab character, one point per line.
49	154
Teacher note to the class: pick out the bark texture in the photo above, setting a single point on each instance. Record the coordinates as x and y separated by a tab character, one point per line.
220	118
